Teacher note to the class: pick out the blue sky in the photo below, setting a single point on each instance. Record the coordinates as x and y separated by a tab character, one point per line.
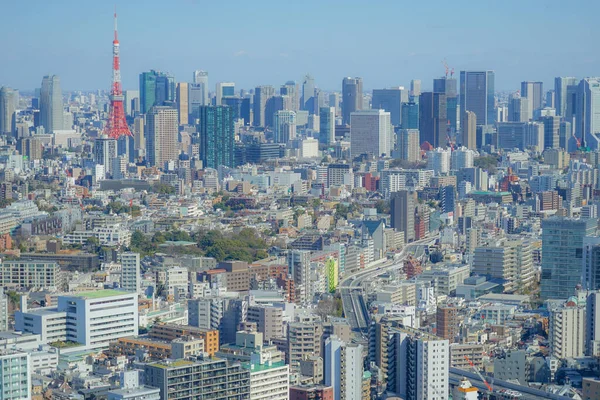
255	42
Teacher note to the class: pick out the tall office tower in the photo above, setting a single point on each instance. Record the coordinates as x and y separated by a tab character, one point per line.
51	104
274	104
105	151
415	87
468	126
284	126
519	109
449	88
131	102
370	133
130	271
308	102
534	91
477	95
15	375
351	97
447	323
409	145
402	206
551	99
290	89
418	364
588	113
334	101
139	138
343	368
217	136
183	103
197	97
262	94
161	136
327	125
592	335
433	121
591	262
299	268
564	91
567	329
224	89
508	260
562	255
391	101
565	134
201	79
7	111
156	89
551	132
410	115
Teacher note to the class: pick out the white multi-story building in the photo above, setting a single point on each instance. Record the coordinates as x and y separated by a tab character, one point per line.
130	272
438	160
284	126
567	330
15	375
462	158
343	368
370	133
91	318
270	381
299	268
3	310
107	236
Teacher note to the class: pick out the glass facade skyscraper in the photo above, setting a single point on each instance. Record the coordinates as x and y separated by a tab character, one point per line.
216	136
562	255
477	95
156	89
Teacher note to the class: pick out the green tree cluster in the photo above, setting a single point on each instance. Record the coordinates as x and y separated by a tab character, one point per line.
247	245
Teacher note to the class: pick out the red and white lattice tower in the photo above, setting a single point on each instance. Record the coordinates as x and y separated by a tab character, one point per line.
116	125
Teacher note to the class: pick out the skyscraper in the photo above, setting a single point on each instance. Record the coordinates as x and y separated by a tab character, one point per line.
448	87
587	115
217	136
224	89
409	145
197	96
410	115
433	118
105	151
415	87
290	89
390	100
370	133
534	91
343	368
284	126
161	135
468	126
351	97
183	102
130	271
562	255
327	125
51	104
519	109
477	94
308	101
156	89
551	131
7	110
261	96
201	79
564	90
402	207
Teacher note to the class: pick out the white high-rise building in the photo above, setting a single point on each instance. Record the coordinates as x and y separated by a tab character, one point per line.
284	126
438	160
105	151
130	271
201	79
592	337
462	158
269	381
51	104
371	133
224	89
567	330
7	110
131	103
3	311
343	368
162	131
15	375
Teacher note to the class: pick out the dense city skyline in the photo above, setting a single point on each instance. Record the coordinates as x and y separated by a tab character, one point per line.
272	47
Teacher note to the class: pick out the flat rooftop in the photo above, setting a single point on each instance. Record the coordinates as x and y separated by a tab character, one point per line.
96	294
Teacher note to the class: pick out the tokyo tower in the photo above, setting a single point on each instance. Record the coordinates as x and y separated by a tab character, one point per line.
116	125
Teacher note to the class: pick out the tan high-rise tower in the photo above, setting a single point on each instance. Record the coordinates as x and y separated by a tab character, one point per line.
161	135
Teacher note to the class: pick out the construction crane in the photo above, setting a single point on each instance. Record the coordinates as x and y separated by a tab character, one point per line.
491	390
446	67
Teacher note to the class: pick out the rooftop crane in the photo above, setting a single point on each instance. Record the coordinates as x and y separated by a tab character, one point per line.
446	67
479	374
